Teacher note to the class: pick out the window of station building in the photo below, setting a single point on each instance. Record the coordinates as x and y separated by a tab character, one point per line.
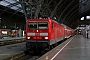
12	4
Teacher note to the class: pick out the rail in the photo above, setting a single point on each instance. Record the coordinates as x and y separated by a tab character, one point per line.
13	41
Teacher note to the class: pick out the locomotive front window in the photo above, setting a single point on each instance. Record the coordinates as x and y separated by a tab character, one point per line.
42	25
37	25
32	25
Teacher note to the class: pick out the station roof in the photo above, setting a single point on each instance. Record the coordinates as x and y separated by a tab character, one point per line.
65	11
12	4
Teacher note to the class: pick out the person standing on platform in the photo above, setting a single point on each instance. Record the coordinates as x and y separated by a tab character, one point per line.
87	33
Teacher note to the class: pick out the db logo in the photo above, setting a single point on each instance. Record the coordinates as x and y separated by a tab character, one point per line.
37	34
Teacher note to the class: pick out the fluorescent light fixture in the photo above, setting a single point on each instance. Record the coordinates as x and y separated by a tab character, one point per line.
87	17
82	18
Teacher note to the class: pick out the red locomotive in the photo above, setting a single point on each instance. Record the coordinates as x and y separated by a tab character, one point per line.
44	33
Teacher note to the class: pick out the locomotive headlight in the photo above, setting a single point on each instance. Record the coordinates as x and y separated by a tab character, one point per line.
46	37
28	37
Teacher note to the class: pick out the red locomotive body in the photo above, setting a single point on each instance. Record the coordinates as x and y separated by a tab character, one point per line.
43	33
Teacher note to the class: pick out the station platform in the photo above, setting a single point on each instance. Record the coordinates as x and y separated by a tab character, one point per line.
11	51
74	48
11	38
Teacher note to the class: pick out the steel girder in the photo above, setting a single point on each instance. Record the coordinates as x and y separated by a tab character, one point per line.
61	10
71	16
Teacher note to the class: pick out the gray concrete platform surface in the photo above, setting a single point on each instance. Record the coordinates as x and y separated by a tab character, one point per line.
10	50
75	48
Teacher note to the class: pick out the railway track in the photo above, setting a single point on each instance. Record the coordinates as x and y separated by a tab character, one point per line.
13	41
26	56
23	56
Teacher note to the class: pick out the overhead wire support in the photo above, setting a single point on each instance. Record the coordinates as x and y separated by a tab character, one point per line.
23	7
31	8
38	8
